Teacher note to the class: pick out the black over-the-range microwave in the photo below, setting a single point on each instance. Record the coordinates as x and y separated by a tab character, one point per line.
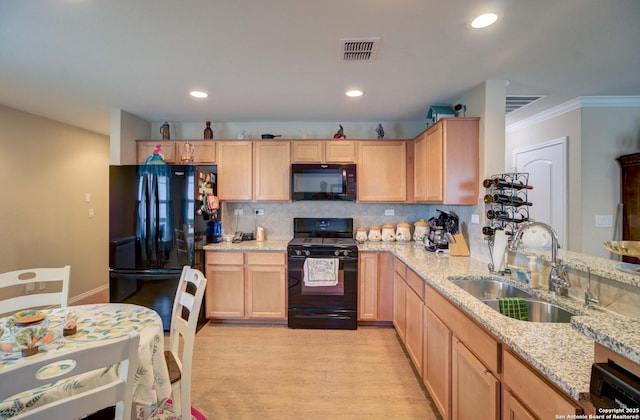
323	182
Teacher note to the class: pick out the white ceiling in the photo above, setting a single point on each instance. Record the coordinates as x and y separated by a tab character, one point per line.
278	60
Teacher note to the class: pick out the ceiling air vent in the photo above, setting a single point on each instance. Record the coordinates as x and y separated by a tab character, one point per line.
364	49
514	102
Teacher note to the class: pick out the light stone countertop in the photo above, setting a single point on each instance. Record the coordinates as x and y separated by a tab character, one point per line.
562	352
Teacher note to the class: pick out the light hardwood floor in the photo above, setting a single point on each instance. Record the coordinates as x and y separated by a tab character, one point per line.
273	372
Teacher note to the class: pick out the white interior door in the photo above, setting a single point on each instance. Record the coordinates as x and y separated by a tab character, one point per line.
546	165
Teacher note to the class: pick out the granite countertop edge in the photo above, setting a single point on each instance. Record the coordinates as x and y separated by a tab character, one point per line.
563	353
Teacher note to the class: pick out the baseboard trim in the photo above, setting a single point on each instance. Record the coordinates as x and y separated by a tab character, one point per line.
88	293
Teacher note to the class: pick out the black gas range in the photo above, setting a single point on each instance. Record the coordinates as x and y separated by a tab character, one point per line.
322	274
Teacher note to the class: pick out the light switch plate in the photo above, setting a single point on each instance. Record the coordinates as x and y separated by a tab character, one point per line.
604	220
238	212
475	218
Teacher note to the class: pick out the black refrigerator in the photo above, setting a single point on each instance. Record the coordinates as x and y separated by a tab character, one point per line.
160	217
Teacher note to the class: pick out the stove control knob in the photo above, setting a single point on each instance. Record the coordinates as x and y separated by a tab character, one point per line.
345	253
298	252
307	253
336	253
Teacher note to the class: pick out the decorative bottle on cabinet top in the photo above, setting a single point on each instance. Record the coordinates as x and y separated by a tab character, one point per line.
208	131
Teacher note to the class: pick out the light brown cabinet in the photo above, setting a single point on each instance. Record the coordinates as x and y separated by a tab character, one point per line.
408	308
235	163
375	286
446	159
204	150
399	297
530	390
272	171
249	285
468	383
382	171
512	409
475	392
323	151
436	371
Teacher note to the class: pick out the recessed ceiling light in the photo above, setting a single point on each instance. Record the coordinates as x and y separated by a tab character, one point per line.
198	94
354	93
486	19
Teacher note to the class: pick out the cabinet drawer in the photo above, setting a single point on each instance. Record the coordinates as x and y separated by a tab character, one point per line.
265	258
480	342
416	283
400	268
533	391
225	258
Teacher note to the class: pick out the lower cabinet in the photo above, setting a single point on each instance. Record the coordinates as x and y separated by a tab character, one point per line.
436	370
528	389
512	409
461	361
475	392
375	286
399	297
414	318
245	285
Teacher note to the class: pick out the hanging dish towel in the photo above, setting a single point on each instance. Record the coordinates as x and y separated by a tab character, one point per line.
514	307
321	272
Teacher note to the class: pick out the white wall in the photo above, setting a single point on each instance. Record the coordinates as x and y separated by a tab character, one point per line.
598	132
46	168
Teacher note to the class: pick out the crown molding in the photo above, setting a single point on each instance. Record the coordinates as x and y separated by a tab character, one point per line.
576	103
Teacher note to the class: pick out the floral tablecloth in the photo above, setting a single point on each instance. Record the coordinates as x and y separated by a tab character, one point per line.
94	322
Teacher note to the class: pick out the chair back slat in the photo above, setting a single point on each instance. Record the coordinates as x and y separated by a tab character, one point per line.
119	354
38	298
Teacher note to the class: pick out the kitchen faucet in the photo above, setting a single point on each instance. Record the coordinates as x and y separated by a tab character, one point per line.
557	272
589	297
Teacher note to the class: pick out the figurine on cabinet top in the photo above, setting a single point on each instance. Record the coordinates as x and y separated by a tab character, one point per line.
380	131
208	131
340	133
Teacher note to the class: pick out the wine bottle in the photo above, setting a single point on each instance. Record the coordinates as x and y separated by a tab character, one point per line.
497	214
510	200
490	231
503	183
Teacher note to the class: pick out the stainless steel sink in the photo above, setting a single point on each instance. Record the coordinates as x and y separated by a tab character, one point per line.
539	311
489	289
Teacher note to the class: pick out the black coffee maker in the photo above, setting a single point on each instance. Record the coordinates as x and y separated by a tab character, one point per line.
441	229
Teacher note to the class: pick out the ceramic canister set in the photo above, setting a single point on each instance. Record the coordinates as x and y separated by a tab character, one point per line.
388	233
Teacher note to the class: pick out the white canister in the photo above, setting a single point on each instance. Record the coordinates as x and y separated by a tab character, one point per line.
420	230
403	232
388	234
361	234
374	233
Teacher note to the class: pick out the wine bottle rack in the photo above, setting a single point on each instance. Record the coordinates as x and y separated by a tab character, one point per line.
507	199
512	203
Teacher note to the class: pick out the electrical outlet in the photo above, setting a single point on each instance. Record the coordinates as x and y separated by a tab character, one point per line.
475	218
604	220
30	288
389	212
42	285
259	212
91	213
238	212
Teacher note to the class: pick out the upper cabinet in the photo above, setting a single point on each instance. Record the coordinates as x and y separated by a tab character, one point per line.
323	151
446	162
272	171
234	170
204	151
382	174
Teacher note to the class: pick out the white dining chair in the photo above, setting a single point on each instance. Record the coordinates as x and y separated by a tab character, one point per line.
179	356
121	352
32	296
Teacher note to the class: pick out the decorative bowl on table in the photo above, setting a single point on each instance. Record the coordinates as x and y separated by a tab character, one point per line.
27	339
627	248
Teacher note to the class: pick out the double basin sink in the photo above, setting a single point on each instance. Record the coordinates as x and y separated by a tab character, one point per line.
488	291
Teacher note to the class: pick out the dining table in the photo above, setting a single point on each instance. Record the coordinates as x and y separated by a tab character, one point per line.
93	322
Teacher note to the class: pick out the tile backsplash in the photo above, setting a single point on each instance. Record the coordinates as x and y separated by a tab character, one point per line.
278	217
